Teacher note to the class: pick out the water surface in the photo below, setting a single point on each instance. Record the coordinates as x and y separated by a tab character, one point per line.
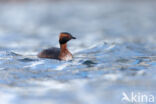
115	52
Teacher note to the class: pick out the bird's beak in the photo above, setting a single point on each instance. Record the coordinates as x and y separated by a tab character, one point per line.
73	37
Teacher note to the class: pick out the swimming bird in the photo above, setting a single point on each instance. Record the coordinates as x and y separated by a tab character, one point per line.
61	53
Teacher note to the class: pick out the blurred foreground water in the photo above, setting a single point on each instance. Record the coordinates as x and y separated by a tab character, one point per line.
115	52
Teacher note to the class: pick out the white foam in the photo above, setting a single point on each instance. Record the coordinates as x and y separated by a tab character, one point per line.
61	67
34	64
6	98
112	77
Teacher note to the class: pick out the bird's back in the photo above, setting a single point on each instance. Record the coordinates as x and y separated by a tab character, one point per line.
52	53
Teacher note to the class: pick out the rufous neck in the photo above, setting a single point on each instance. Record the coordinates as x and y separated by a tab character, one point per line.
63	47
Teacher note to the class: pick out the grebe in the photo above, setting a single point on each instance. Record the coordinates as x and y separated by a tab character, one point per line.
61	53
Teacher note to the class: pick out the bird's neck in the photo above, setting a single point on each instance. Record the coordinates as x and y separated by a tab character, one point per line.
64	53
63	48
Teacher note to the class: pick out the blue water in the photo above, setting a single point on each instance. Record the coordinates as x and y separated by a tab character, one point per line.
115	52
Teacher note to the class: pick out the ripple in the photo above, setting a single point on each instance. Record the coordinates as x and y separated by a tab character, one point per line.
115	51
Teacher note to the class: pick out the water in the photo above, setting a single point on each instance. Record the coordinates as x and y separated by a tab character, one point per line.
115	52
